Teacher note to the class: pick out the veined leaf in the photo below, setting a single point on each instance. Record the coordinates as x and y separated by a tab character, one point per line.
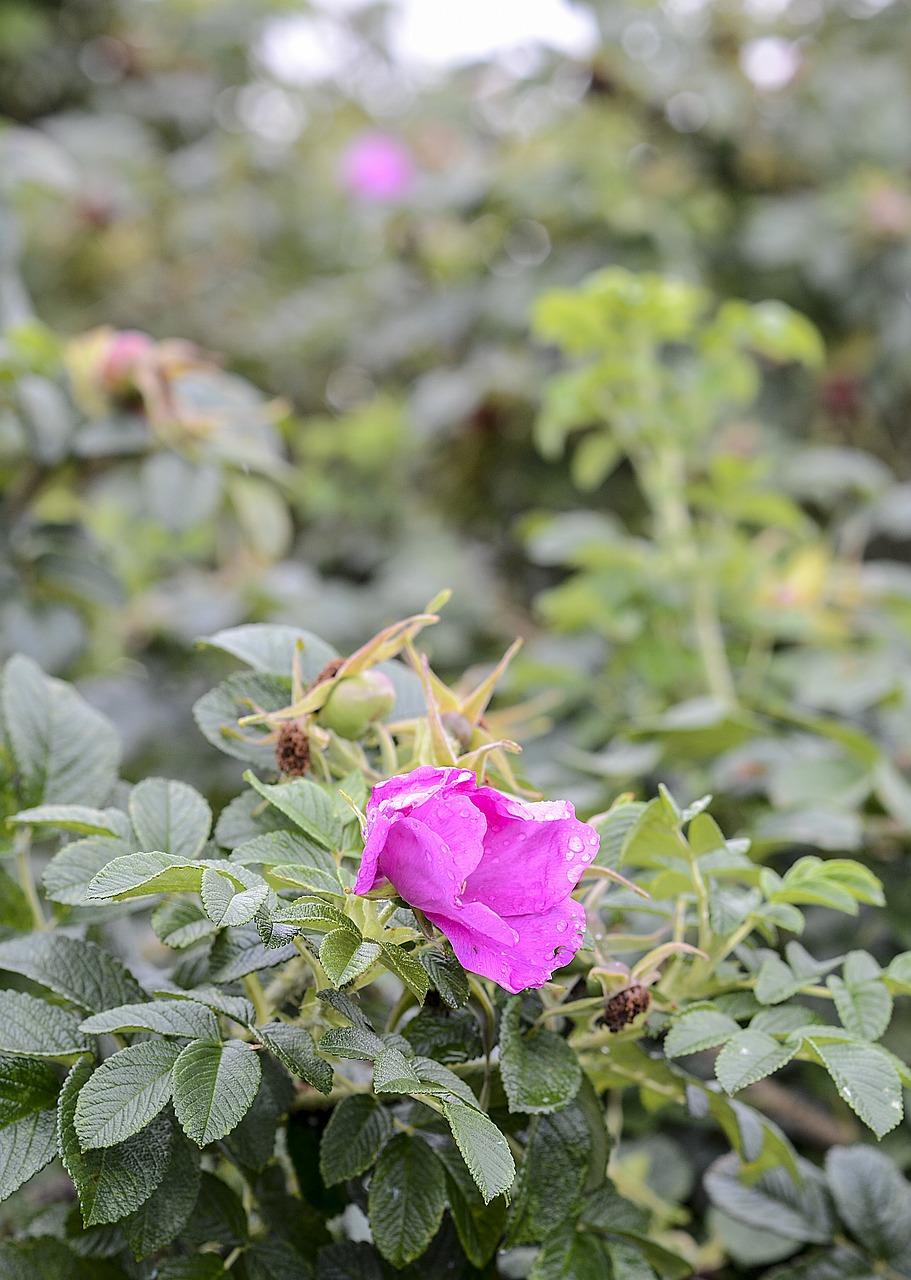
167	1017
170	816
306	804
358	1129
214	1086
125	1093
406	1200
80	971
36	1029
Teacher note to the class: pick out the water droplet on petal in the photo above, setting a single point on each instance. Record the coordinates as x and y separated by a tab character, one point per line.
575	844
561	926
571	876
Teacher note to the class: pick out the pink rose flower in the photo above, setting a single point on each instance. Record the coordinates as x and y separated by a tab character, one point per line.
378	166
492	873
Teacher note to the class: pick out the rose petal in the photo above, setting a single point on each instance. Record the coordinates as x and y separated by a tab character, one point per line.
546	943
426	870
534	854
401	793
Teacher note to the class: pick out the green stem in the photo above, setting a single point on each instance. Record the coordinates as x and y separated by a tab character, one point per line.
663	481
254	989
22	844
319	973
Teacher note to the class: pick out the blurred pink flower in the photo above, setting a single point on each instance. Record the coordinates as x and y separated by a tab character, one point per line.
378	166
492	873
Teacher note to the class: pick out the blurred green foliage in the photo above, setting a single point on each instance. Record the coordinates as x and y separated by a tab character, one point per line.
626	364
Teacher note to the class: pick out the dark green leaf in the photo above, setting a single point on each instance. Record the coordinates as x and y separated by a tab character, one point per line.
167	1210
25	1086
180	923
252	1143
295	1048
116	1180
796	1212
750	1056
407	967
539	1070
407	1198
238	952
358	1129
448	977
68	875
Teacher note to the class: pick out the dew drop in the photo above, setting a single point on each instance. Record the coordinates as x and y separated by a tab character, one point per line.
587	857
571	875
561	926
575	844
569	855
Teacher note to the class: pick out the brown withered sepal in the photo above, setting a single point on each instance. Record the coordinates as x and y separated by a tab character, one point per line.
292	750
624	1007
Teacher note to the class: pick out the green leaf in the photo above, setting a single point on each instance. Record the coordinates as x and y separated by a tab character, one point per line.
219	1216
479	1226
223	903
238	1008
393	1073
775	1200
553	1175
447	976
167	1017
167	1210
170	817
406	1200
218	711
572	1255
274	649
15	909
252	1143
345	956
872	1199
358	1129
306	804
294	1047
125	1093
143	873
70	872
246	817
484	1149
25	1086
75	817
750	1056
539	1070
406	967
214	1086
613	827
317	915
37	1029
74	968
180	923
66	752
352	1042
238	952
201	1266
26	1146
299	876
776	981
114	1181
287	849
862	1000
699	1027
445	1035
865	1078
439	1082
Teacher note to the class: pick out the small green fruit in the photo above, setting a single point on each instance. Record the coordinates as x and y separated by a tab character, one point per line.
356	702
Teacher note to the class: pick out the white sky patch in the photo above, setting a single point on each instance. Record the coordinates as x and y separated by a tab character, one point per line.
424	34
770	62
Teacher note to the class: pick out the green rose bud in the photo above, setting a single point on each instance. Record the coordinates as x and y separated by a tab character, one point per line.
356	702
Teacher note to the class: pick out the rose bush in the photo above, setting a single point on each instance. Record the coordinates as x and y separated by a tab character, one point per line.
494	874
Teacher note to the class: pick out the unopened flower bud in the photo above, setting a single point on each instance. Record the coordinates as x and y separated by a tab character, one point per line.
356	702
